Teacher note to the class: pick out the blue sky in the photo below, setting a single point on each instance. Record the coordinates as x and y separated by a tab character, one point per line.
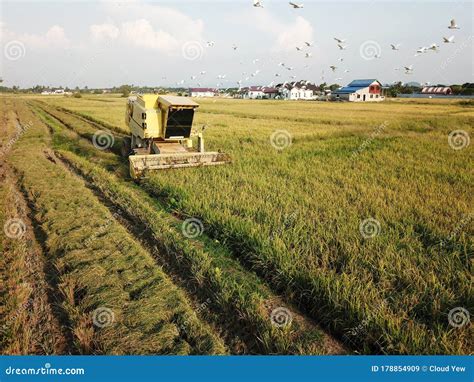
169	43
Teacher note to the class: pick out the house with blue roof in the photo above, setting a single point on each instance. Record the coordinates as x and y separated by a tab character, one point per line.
369	90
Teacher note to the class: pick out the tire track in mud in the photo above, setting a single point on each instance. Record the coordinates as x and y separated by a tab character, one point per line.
142	233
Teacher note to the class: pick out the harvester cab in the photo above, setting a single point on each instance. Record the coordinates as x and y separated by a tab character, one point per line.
161	135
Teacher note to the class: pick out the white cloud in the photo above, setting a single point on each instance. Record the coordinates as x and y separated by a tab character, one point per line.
295	34
55	37
288	35
142	34
103	32
153	26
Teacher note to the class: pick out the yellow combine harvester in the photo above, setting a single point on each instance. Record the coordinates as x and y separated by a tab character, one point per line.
161	135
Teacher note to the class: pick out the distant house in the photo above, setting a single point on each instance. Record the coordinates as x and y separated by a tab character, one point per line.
443	90
271	93
360	91
299	90
252	92
202	92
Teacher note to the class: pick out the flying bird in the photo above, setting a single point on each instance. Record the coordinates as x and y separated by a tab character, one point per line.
298	48
308	43
340	59
408	69
210	43
395	46
257	4
422	49
296	6
234	47
342	47
333	68
448	40
340	41
308	55
434	47
453	25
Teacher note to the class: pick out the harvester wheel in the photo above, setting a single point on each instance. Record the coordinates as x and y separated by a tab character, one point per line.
126	147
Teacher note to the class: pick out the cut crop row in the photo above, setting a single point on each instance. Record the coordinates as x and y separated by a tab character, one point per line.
117	300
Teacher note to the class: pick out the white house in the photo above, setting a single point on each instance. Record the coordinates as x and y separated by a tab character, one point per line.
253	92
202	92
300	90
360	91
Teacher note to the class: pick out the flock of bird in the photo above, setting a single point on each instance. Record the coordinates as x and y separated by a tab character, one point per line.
304	47
258	4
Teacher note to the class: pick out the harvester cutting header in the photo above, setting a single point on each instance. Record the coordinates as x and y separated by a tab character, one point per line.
161	135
